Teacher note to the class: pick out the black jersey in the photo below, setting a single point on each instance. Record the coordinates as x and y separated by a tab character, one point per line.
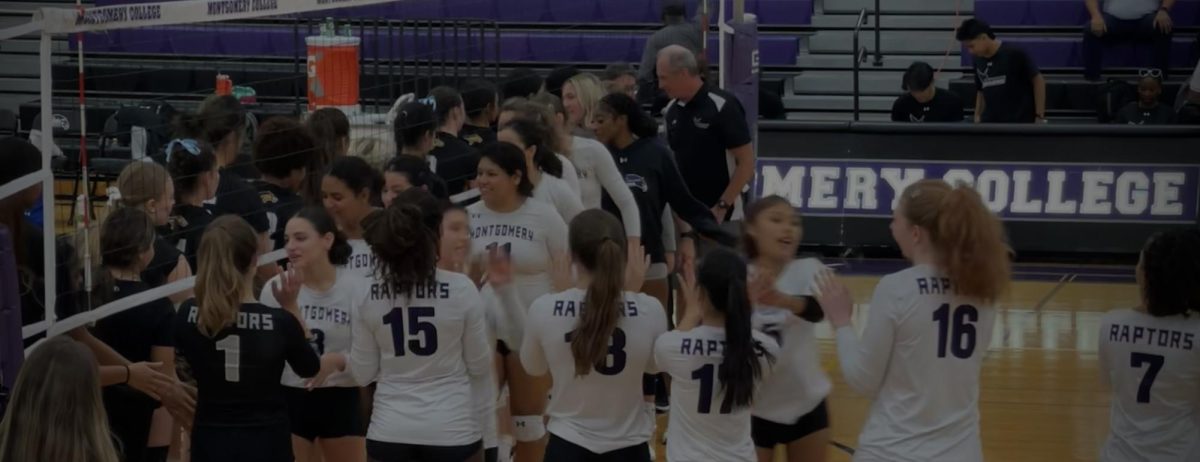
184	229
236	196
166	257
237	371
134	331
655	181
456	161
281	205
477	137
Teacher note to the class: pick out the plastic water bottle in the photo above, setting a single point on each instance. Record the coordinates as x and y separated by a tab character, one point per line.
327	28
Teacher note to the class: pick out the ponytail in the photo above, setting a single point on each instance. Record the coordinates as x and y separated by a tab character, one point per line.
598	244
404	244
227	254
636	120
722	275
967	238
537	135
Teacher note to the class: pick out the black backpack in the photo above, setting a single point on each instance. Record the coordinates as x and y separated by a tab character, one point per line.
1113	95
151	117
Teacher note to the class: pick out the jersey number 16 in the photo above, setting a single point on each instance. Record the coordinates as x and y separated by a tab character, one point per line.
959	333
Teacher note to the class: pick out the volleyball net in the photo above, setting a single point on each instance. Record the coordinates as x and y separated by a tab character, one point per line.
112	76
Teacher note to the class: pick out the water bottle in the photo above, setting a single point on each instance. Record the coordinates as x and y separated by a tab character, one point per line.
327	28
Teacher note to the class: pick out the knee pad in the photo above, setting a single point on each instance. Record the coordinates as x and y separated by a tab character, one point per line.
528	428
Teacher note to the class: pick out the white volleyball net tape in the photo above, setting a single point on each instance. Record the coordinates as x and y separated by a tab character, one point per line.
280	59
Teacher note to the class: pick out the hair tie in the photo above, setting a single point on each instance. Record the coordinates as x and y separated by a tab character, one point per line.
114	196
190	145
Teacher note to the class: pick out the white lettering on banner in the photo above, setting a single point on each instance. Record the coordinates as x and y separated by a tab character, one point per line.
222	7
901	179
165	13
1166	193
860	188
116	14
1095	193
1092	193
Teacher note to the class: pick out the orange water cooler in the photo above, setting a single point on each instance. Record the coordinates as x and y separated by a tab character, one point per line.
333	72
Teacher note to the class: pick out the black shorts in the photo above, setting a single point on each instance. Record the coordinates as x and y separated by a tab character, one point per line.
502	348
649	384
129	415
491	455
767	434
378	451
560	450
331	412
271	443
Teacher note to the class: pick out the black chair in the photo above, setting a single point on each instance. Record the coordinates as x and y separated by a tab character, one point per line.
9	125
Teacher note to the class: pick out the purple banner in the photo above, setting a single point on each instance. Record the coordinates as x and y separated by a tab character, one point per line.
1120	193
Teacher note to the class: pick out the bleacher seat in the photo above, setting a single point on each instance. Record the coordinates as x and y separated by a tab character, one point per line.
539	46
1185	13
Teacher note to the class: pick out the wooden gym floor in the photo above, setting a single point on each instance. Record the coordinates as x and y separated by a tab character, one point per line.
1040	395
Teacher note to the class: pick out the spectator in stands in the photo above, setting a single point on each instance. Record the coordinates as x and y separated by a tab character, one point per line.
482	104
556	79
1147	110
1188	101
456	160
521	83
620	78
284	152
413	130
706	127
581	94
330	129
676	30
1126	20
1009	87
925	102
56	412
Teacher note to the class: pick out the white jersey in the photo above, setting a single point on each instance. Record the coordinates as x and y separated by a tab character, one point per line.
329	316
556	192
423	350
1153	367
700	428
362	259
598	173
569	174
602	411
918	359
530	235
798	384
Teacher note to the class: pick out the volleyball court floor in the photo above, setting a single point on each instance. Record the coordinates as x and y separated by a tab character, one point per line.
1041	398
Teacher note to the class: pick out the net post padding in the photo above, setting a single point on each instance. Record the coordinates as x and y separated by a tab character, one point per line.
63	20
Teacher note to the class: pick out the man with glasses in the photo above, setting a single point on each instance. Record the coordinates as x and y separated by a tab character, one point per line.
1126	20
1147	110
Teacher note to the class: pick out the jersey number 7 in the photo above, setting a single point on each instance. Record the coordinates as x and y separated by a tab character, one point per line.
425	346
1136	360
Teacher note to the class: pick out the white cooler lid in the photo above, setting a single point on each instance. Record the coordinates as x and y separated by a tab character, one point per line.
335	41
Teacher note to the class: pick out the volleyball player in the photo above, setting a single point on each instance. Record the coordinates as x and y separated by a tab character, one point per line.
597	170
655	182
1150	359
325	413
515	108
456	159
350	189
543	166
283	152
481	100
422	336
237	349
920	355
596	341
413	130
790	407
507	223
148	186
193	167
141	333
330	130
716	361
580	95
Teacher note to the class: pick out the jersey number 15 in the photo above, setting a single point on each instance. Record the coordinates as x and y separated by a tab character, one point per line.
417	326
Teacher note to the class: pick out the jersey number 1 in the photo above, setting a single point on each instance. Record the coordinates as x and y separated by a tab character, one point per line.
707	375
959	333
416	326
1136	360
232	347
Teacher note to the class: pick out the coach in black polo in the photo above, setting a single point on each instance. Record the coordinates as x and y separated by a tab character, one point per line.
706	127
